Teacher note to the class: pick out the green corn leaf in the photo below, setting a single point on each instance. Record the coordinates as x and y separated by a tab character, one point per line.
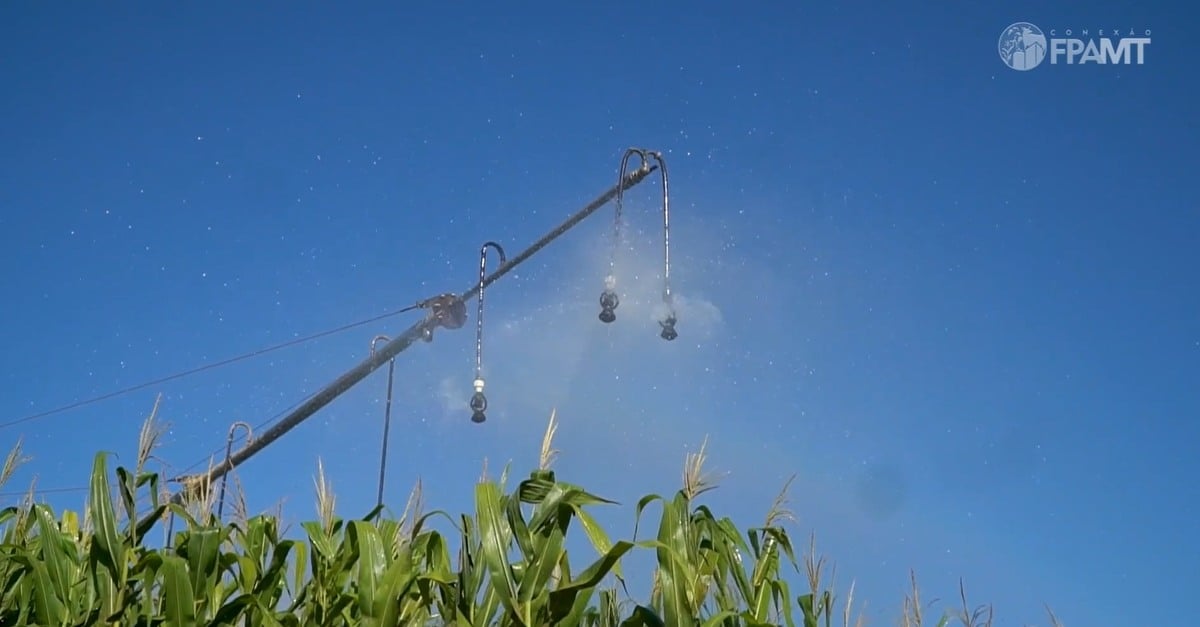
258	535
564	601
548	510
264	616
147	523
179	604
785	543
392	585
484	614
58	565
202	551
643	616
371	563
763	595
596	534
716	619
274	577
783	597
301	566
374	514
322	545
127	488
436	556
642	505
516	523
673	562
229	613
548	549
809	610
610	611
494	547
534	489
47	606
106	544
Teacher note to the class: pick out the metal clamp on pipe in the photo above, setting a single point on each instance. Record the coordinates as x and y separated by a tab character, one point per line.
448	311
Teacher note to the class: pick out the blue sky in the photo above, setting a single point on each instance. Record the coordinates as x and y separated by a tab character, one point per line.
956	300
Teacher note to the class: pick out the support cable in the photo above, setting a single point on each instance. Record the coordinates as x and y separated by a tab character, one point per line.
218	364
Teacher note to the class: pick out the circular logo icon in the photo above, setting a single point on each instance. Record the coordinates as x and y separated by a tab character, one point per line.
1022	46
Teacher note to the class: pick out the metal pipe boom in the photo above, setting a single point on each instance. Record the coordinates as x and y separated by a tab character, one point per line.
420	330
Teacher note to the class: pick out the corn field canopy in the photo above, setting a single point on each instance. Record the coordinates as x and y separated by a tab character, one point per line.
506	565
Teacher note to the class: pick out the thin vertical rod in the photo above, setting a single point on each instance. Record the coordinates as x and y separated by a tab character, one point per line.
662	166
387	418
479	311
387	425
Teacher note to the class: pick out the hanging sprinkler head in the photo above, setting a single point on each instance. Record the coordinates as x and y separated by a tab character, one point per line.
608	298
478	403
478	400
668	332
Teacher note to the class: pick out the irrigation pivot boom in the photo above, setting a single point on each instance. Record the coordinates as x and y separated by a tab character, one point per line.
447	311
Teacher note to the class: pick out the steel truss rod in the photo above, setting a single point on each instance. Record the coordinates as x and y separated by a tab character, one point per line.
421	330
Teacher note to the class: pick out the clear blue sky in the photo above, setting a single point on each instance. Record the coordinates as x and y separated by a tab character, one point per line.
957	300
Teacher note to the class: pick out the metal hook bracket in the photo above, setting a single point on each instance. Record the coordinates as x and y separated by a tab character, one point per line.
478	401
376	340
609	300
228	454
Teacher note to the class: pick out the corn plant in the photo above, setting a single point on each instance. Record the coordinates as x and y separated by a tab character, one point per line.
511	568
